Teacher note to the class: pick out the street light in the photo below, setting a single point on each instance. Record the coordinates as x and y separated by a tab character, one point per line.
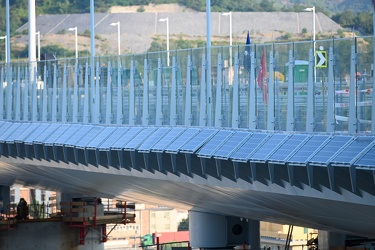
38	35
6	55
118	35
313	11
166	20
313	31
230	43
76	41
230	25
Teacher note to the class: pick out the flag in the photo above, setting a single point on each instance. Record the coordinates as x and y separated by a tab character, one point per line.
262	76
246	56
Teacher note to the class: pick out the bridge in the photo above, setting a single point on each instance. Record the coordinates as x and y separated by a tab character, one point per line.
257	132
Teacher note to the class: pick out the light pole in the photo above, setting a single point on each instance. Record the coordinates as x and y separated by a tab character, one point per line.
166	20
75	39
230	25
118	36
6	55
38	40
313	32
230	43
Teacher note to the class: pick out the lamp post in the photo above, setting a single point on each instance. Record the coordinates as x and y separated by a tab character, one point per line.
38	41
6	55
75	40
230	43
118	36
313	32
166	20
230	25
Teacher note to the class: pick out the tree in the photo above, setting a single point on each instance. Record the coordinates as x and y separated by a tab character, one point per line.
183	225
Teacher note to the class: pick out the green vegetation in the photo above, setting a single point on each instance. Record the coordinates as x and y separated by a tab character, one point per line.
184	225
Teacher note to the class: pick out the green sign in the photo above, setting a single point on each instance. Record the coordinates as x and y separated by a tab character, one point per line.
321	59
147	240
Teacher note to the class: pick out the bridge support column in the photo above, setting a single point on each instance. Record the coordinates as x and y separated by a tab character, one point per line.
253	236
330	240
207	230
4	199
219	231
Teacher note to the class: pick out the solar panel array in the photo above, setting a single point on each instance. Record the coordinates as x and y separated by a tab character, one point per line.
283	153
326	152
235	145
214	143
248	147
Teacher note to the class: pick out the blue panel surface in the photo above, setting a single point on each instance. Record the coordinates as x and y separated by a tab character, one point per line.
37	129
92	134
152	139
231	144
139	138
4	127
213	144
305	151
167	139
8	131
267	147
115	140
243	152
198	140
18	129
349	153
127	137
329	149
72	129
368	159
50	134
78	135
183	138
290	144
96	143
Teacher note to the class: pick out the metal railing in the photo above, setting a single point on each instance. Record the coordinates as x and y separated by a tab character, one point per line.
297	91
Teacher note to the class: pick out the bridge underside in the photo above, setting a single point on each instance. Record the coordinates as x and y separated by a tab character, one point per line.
326	198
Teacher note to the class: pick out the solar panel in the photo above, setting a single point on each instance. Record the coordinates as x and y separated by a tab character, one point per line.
36	131
349	153
50	134
3	128
231	144
329	149
32	127
198	140
167	139
72	129
152	139
214	143
78	135
176	145
367	159
97	141
139	138
13	131
248	147
2	123
90	135
126	138
305	152
287	147
268	147
9	131
113	138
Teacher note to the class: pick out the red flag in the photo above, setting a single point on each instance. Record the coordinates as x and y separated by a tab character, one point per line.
262	76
